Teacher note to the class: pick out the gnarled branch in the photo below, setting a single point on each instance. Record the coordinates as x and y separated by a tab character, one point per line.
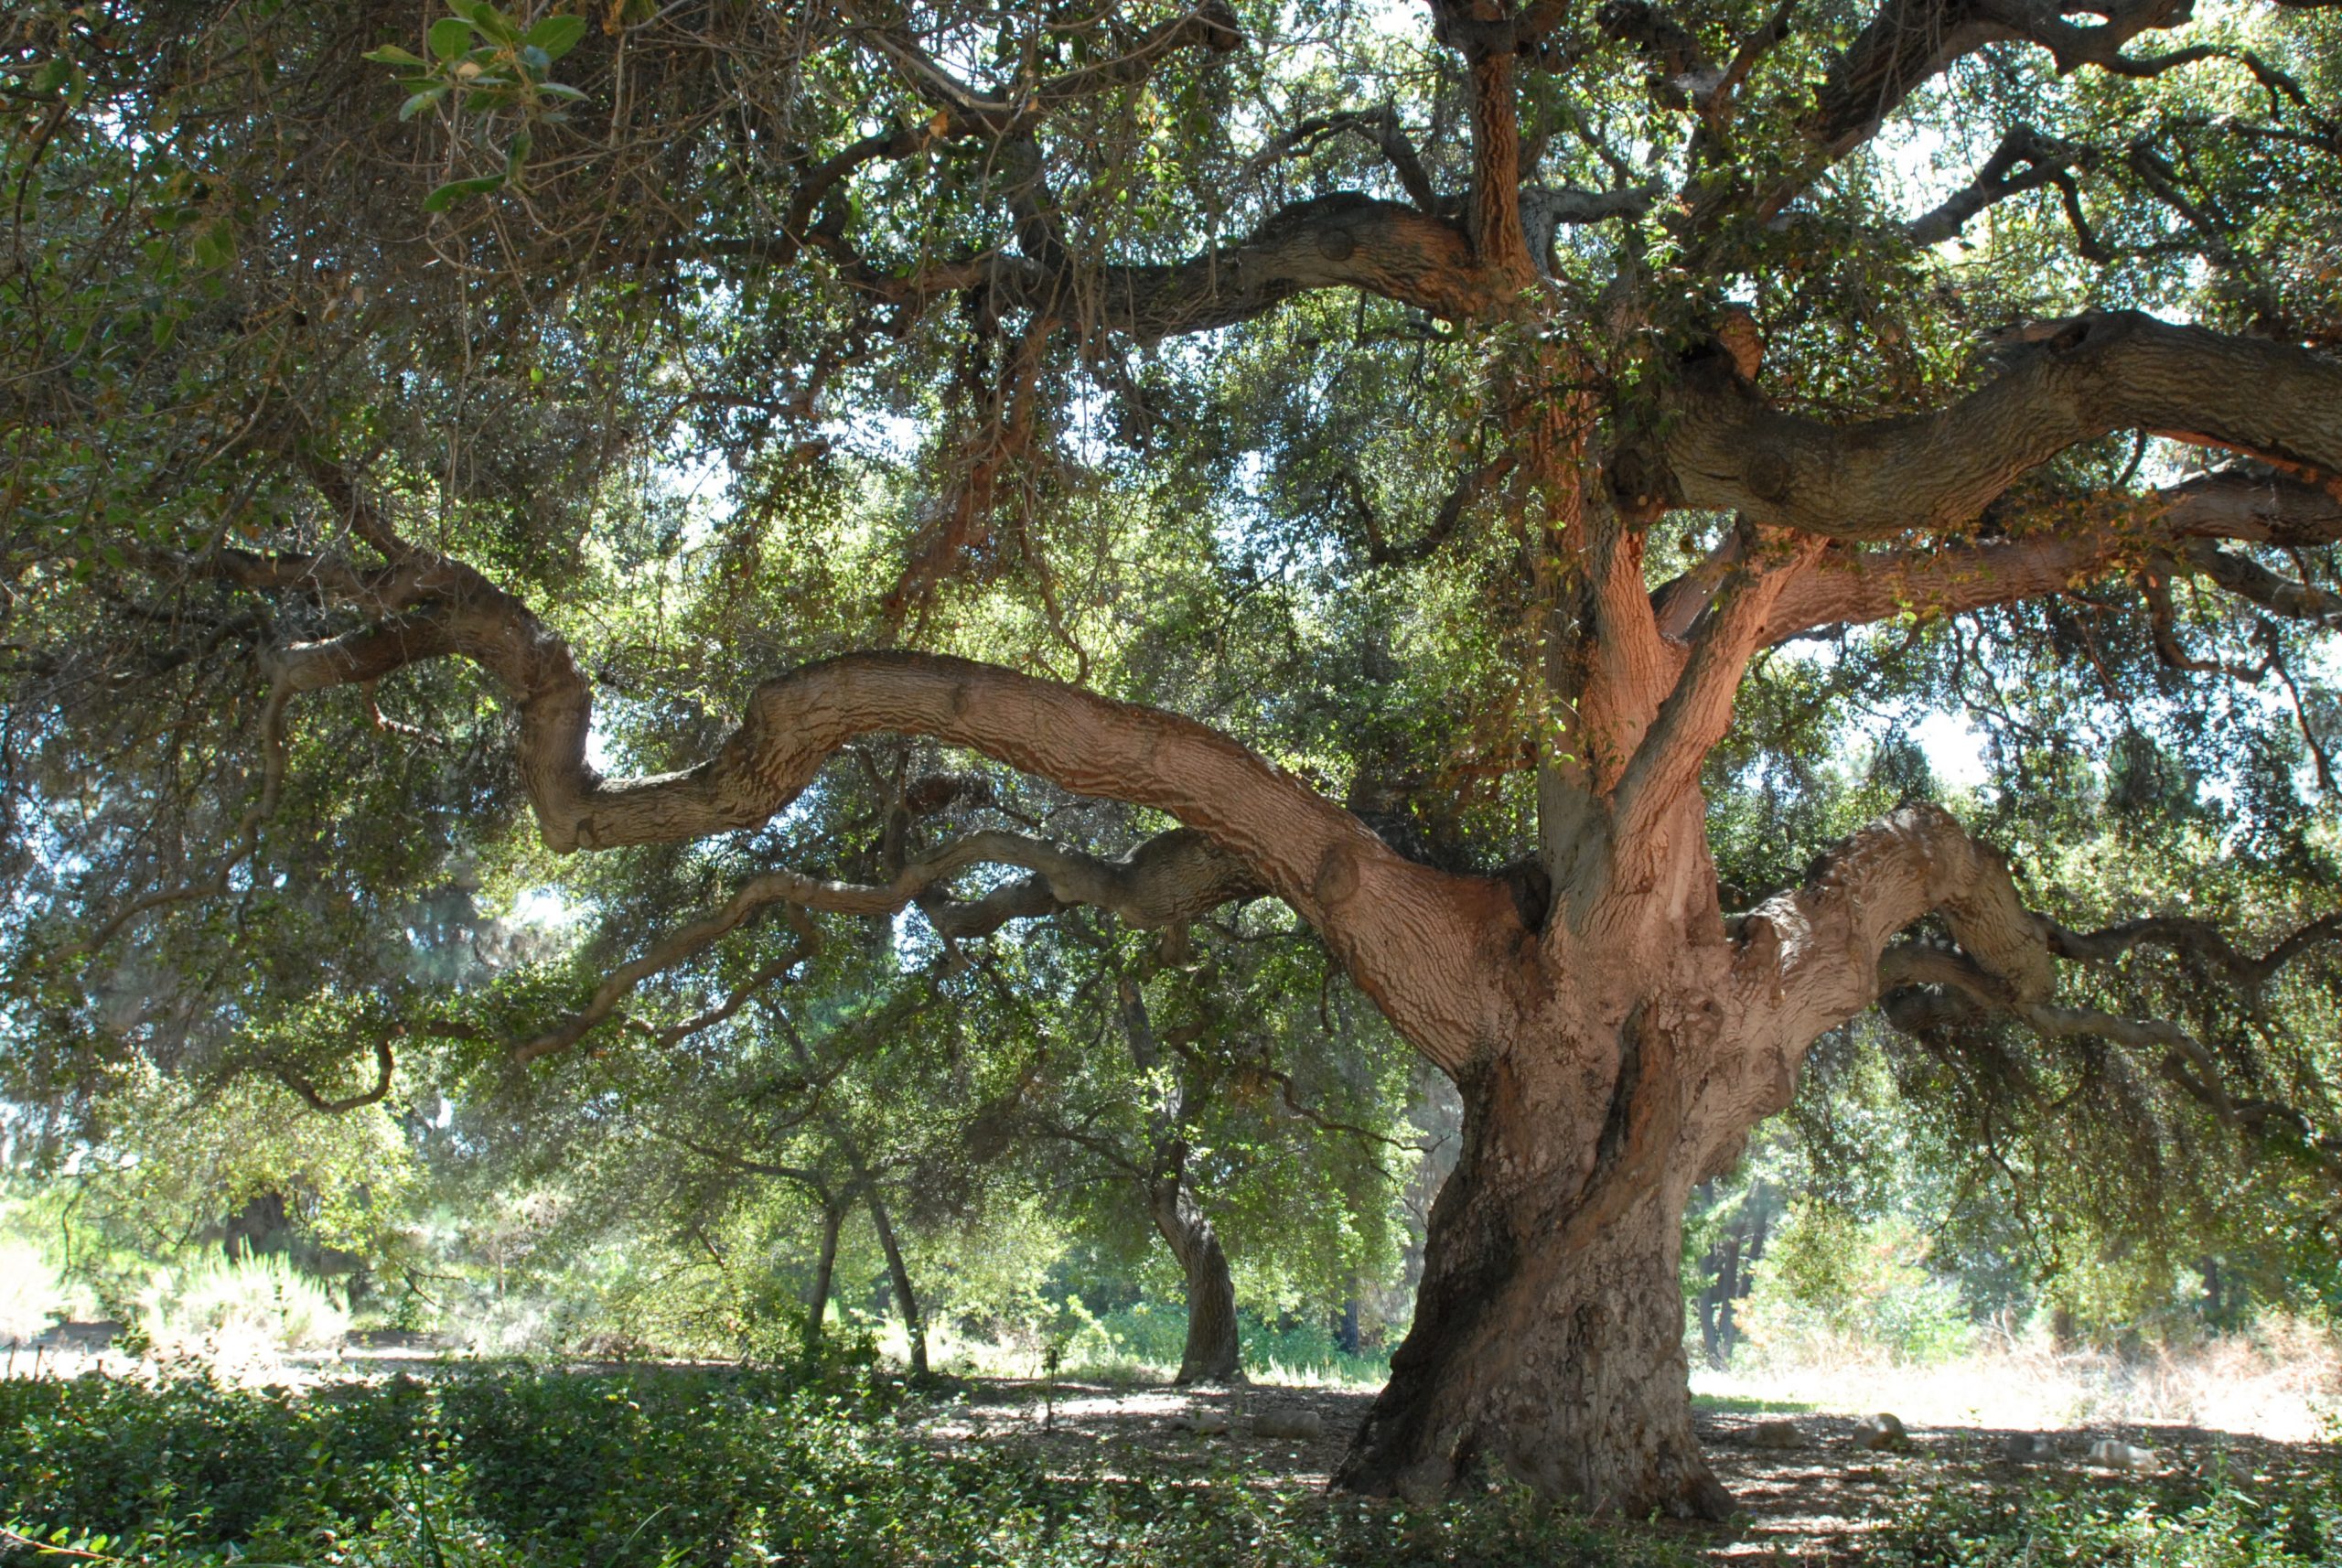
2064	383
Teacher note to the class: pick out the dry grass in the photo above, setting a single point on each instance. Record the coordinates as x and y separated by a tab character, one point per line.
2280	1379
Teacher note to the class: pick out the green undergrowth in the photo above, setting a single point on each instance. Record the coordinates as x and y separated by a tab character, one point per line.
485	1466
508	1466
2222	1521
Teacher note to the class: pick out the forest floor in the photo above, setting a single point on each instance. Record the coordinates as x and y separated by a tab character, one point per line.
1813	1502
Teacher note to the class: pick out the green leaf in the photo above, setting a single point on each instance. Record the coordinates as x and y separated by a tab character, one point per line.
488	20
391	54
561	89
422	101
556	35
450	37
454	190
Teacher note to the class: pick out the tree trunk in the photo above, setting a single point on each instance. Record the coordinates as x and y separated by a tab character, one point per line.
825	1263
1716	1330
914	1326
1211	1355
1548	1339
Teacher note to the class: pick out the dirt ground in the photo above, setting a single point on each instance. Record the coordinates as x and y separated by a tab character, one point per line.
1812	1503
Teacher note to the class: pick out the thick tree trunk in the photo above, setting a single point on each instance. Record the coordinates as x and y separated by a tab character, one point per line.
914	1326
1548	1338
1211	1355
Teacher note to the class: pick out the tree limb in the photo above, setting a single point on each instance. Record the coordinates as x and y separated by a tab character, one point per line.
2063	383
2180	525
2026	160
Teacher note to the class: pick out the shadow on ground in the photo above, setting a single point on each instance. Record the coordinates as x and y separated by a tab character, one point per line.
1815	1501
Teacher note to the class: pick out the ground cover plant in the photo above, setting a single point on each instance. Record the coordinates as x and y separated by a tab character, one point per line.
495	1465
2228	1521
488	1464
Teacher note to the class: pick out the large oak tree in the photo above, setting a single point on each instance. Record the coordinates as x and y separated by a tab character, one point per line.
1437	414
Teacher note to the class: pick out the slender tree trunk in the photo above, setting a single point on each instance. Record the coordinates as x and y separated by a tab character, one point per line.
1211	1355
914	1326
1715	1301
825	1263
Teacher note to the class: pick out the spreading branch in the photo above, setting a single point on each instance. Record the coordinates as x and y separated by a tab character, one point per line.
2062	384
1813	956
1290	841
2182	527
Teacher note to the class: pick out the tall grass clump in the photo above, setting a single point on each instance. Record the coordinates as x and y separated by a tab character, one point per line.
257	1304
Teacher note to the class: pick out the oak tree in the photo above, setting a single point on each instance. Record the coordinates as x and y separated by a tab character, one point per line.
1384	443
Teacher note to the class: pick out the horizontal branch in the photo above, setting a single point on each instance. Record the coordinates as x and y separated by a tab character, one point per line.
1256	828
996	116
1928	990
1811	957
2181	527
2026	160
1907	42
295	1080
2062	384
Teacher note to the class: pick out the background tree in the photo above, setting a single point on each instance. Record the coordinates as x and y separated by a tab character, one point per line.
1442	418
1249	1107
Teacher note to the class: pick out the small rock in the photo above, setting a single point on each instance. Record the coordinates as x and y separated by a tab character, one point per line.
2027	1448
2113	1454
1306	1425
1880	1433
1776	1435
1202	1422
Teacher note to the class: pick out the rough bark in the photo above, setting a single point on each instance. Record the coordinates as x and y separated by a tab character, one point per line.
2063	383
1547	1343
1211	1354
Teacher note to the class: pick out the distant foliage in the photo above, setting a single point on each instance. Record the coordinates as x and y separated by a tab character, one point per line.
31	1295
1831	1277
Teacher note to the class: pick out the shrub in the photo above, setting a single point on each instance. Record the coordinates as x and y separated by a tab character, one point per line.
2289	1524
255	1303
31	1295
